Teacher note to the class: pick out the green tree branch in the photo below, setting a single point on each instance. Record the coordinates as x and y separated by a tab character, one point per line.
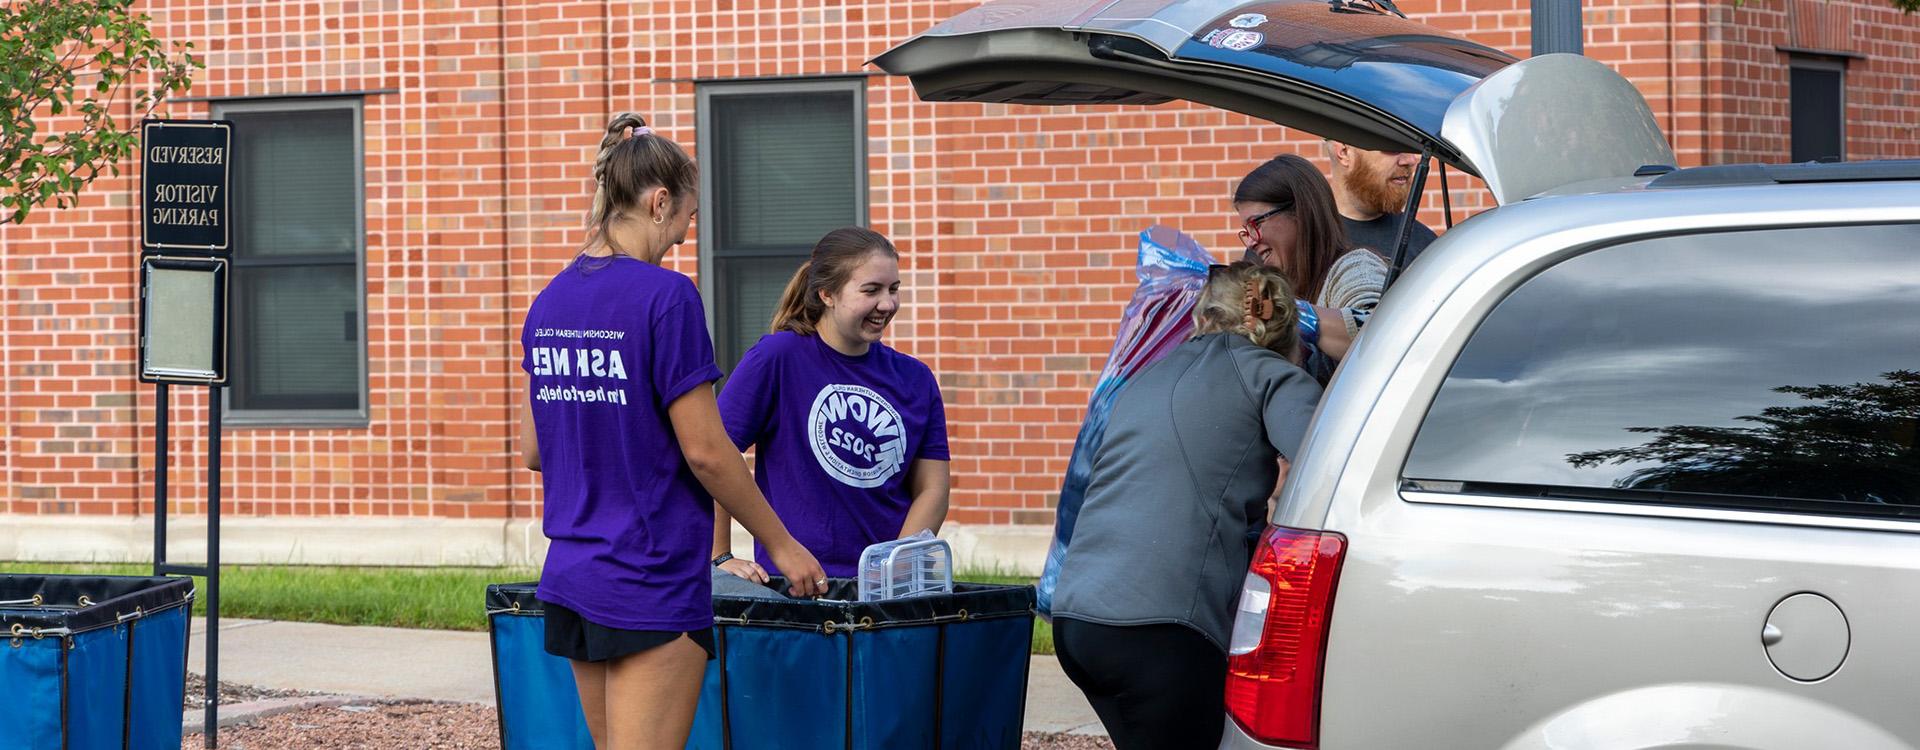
52	47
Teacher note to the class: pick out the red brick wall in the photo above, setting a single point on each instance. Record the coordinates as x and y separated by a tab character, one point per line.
1016	224
1750	107
67	418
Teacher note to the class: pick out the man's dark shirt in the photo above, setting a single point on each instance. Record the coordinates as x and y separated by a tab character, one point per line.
1381	232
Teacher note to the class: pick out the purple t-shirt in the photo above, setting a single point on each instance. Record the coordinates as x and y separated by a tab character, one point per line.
836	436
609	344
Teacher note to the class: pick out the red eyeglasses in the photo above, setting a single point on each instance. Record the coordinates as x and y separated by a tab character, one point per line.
1250	229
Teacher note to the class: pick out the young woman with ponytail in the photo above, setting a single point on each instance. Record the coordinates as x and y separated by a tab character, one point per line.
622	424
1144	609
850	435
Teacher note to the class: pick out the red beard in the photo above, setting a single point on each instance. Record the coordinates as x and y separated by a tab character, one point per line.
1369	187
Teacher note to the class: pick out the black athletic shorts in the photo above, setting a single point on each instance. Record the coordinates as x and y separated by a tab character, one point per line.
571	636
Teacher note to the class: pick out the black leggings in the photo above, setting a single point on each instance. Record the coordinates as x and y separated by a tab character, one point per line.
1155	687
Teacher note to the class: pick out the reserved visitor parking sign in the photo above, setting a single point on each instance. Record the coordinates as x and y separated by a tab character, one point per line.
184	170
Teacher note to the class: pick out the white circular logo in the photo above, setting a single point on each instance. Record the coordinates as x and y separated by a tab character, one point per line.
856	435
1241	41
1247	20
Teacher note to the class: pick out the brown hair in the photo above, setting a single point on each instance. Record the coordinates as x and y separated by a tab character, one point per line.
628	165
1289	180
1251	300
833	261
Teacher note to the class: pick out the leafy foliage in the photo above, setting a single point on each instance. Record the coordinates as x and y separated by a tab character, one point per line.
1854	443
73	58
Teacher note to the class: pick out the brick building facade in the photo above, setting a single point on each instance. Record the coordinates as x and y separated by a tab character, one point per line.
474	124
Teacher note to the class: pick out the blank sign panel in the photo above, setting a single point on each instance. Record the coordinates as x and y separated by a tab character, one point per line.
183	327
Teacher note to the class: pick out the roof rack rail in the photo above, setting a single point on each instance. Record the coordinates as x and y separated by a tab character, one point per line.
1768	174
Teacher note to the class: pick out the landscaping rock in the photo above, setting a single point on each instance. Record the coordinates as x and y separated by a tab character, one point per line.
231	692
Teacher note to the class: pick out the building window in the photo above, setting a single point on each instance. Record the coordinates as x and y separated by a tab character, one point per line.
781	164
1818	90
299	271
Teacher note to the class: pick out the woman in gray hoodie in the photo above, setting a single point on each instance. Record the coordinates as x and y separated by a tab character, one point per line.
1144	607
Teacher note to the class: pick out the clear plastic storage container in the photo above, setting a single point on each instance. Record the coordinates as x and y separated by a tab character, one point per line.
914	566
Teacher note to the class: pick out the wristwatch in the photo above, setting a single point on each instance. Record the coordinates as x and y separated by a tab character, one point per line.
718	561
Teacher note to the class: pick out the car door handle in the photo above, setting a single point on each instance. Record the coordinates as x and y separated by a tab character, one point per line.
1770	635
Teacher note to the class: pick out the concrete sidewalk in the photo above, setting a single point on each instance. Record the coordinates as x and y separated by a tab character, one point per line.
448	665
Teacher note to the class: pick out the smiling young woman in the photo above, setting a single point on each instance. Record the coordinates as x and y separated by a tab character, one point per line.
851	434
1288	221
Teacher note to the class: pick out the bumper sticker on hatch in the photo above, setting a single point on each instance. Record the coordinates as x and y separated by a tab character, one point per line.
1238	40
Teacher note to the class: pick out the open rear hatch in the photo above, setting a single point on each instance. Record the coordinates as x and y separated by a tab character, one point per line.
1351	70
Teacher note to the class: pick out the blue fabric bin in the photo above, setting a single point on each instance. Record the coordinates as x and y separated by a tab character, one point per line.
942	672
93	662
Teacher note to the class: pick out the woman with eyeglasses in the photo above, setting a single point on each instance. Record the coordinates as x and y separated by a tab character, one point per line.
1144	608
1289	221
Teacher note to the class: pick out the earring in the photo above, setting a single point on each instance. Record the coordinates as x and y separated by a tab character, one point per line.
659	220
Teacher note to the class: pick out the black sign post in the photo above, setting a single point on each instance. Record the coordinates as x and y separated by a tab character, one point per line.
186	230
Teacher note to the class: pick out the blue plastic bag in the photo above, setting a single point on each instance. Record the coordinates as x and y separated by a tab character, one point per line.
1172	268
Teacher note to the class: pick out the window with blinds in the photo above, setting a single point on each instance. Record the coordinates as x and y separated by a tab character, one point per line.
783	164
298	338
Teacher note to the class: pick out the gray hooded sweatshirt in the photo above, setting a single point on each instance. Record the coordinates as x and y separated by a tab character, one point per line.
1181	479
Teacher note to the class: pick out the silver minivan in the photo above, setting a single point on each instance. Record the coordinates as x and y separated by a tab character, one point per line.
1630	461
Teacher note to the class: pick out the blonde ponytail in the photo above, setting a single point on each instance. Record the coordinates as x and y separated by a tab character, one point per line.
632	160
792	313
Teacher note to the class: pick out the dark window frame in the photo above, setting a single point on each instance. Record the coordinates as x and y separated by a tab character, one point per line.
711	255
355	417
1823	64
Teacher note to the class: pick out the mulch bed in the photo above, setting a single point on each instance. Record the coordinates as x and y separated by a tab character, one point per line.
436	726
365	726
1038	741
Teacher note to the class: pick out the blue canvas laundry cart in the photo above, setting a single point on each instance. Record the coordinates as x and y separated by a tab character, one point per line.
93	662
938	672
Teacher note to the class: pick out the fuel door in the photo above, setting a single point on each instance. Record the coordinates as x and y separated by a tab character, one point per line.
1806	637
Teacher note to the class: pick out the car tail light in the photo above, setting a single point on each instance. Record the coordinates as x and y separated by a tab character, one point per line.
1275	660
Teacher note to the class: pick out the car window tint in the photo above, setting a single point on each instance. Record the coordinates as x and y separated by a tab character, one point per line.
1770	370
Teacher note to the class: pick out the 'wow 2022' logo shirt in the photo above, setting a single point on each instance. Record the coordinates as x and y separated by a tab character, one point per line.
857	437
835	438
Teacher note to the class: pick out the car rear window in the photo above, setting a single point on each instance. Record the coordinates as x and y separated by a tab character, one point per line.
1764	370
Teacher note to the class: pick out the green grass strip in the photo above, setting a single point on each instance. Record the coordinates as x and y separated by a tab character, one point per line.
1042	630
431	598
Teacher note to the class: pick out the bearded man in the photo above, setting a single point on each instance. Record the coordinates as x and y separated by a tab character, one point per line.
1370	188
